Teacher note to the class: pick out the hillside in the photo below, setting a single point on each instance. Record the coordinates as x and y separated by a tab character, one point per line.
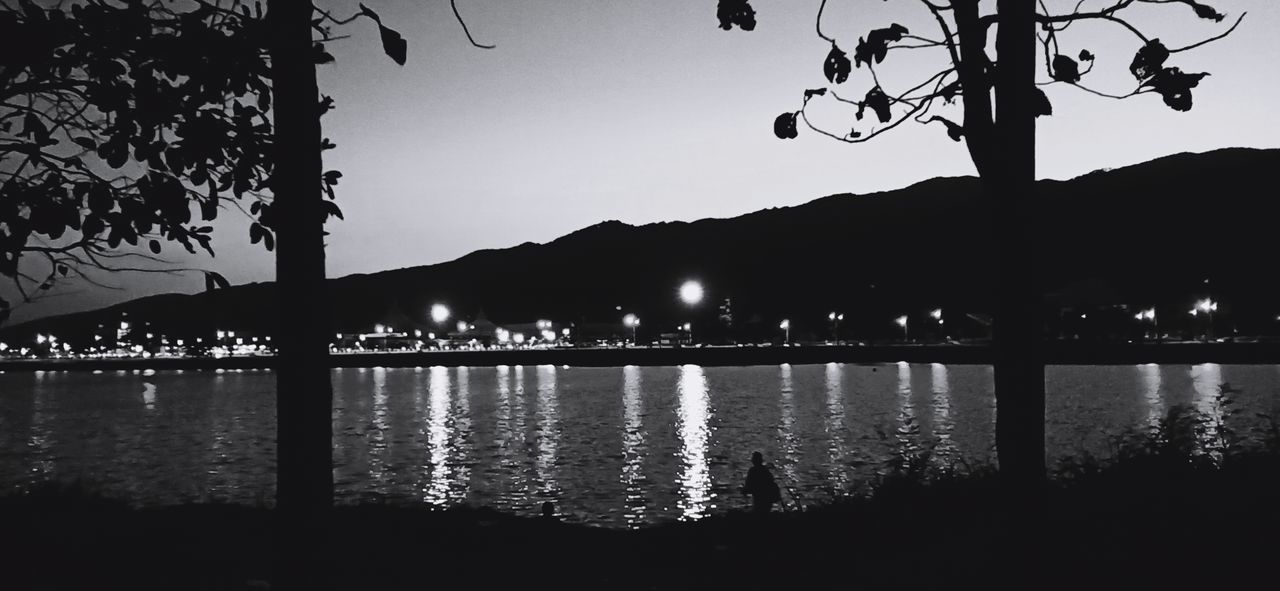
1145	234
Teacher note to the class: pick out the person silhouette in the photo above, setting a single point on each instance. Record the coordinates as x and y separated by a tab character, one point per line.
549	512
760	485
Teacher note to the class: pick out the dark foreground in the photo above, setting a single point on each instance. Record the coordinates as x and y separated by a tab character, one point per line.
1157	521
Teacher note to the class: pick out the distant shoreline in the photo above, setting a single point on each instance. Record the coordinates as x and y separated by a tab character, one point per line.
1055	354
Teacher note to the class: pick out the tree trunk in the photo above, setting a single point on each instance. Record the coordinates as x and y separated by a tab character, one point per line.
304	396
1019	366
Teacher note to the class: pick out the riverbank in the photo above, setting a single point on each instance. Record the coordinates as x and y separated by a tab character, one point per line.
1145	523
1058	353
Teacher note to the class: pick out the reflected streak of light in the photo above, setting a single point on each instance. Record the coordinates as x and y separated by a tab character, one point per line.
438	431
149	395
836	445
378	437
462	429
694	418
633	445
942	423
907	428
1207	399
790	446
40	437
548	428
1152	397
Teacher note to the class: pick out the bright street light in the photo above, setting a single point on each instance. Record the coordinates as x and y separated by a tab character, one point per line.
691	292
785	325
439	313
902	321
936	314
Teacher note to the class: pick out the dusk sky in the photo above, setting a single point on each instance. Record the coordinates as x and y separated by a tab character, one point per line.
590	110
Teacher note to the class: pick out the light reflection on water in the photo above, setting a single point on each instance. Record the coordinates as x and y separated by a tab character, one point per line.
617	446
694	414
633	446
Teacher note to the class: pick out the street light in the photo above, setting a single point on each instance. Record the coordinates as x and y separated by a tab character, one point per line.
691	292
1206	306
785	325
835	318
1149	314
902	321
439	313
631	321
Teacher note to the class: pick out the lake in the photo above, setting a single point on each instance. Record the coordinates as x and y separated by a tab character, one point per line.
618	447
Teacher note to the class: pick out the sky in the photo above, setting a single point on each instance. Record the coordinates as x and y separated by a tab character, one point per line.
593	110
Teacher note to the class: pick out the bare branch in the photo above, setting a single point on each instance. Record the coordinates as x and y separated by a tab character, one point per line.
1212	39
457	15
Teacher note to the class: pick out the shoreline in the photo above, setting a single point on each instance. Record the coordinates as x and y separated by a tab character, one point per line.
1054	353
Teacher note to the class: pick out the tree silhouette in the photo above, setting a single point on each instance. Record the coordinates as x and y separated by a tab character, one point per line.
116	121
1001	98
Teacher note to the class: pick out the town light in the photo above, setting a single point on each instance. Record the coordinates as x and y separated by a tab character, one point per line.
518	338
417	334
378	328
630	321
461	326
691	292
901	321
439	313
936	314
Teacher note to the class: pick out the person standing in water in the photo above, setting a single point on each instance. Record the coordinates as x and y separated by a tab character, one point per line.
760	485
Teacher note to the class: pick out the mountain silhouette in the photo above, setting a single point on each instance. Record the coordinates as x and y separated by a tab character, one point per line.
1148	234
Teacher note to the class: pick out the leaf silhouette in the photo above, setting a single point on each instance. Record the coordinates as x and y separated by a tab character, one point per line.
879	102
1149	60
1175	87
1065	69
876	45
785	126
394	45
836	67
954	130
1041	105
736	12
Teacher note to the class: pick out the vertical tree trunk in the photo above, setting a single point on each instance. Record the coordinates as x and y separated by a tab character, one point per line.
1019	366
304	394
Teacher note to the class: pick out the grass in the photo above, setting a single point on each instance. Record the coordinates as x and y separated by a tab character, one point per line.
1187	503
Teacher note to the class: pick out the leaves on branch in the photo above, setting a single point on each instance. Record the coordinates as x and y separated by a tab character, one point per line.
836	67
1085	56
949	92
736	12
785	126
954	130
392	43
1040	104
812	92
1065	69
876	45
1149	60
320	56
1175	87
879	102
214	281
1204	11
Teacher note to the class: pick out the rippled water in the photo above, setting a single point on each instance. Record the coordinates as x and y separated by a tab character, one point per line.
612	446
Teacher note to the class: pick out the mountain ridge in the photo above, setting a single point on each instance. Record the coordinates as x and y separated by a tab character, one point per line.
881	254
